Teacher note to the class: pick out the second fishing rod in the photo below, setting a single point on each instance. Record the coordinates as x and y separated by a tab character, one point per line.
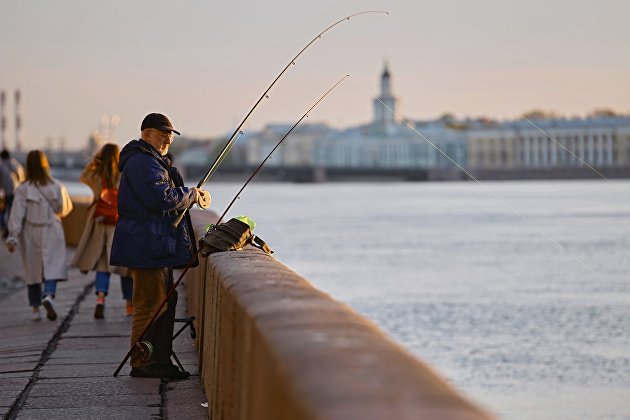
145	348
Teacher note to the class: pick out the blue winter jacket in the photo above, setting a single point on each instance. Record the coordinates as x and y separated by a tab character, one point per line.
150	194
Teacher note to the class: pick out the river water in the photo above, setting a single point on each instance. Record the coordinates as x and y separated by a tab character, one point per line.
517	292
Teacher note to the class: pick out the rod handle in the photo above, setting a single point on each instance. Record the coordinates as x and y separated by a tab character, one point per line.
179	218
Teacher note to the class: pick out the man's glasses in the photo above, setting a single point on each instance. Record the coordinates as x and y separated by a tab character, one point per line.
167	136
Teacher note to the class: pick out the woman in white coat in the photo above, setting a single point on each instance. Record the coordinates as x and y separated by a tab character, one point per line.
35	228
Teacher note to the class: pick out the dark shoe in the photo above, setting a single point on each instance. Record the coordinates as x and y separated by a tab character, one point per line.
99	311
159	371
50	308
176	373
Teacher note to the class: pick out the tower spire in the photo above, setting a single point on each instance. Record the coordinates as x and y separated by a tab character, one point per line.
385	104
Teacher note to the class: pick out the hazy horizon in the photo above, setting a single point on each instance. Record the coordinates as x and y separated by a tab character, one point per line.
205	65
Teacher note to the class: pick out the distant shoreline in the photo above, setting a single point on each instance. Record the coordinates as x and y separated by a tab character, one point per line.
309	174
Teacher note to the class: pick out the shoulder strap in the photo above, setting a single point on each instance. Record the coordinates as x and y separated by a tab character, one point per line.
46	198
259	243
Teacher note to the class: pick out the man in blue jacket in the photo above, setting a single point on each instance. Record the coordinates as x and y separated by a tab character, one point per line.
150	197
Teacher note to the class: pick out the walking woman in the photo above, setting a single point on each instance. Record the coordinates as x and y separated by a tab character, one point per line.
35	228
102	176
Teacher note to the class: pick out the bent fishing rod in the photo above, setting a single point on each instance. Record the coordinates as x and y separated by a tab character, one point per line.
230	142
138	344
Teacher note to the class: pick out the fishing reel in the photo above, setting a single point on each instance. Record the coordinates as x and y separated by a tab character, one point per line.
145	350
204	199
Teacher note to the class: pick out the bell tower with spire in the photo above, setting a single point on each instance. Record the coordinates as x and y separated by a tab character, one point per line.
385	104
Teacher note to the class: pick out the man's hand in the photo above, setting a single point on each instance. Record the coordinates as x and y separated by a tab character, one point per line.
197	192
10	247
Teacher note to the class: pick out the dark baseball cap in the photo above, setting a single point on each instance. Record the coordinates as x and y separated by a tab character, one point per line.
159	122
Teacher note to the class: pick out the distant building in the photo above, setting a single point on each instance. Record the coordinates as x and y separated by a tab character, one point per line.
546	143
391	143
296	150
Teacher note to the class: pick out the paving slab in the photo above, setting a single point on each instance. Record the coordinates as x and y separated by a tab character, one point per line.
93	413
120	343
116	400
7	401
90	386
19	367
80	371
184	399
12	375
19	356
6	385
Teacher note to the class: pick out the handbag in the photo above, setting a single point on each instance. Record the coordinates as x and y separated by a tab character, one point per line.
107	205
232	235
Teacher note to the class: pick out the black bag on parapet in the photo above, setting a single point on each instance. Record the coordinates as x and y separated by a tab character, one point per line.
230	236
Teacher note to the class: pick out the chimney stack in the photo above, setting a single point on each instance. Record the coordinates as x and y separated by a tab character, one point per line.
18	122
3	121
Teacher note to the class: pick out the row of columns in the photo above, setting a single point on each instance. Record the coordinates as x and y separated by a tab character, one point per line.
574	150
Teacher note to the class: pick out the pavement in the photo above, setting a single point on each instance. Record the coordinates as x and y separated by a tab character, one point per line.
64	369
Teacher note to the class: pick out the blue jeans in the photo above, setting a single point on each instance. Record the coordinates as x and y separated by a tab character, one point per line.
35	292
102	284
4	214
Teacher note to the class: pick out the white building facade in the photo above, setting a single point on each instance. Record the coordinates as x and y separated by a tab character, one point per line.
596	141
388	142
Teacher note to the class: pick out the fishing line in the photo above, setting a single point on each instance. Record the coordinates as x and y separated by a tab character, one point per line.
544	132
228	144
506	203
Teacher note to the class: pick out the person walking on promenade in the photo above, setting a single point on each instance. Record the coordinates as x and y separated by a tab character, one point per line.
11	175
35	228
150	196
92	253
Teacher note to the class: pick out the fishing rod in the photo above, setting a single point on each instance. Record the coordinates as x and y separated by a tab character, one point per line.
145	348
228	145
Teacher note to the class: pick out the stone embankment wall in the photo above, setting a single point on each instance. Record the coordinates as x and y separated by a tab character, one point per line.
74	222
273	347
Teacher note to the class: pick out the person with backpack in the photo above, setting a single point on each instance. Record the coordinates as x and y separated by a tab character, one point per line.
35	228
101	174
11	175
150	198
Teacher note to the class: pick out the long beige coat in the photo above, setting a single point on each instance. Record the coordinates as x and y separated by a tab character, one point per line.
35	223
95	245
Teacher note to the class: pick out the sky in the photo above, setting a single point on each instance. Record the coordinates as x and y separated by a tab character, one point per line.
204	64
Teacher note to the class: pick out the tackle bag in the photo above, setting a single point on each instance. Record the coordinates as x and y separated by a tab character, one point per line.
232	235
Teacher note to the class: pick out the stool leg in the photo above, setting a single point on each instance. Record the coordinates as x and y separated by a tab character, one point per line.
178	362
188	322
